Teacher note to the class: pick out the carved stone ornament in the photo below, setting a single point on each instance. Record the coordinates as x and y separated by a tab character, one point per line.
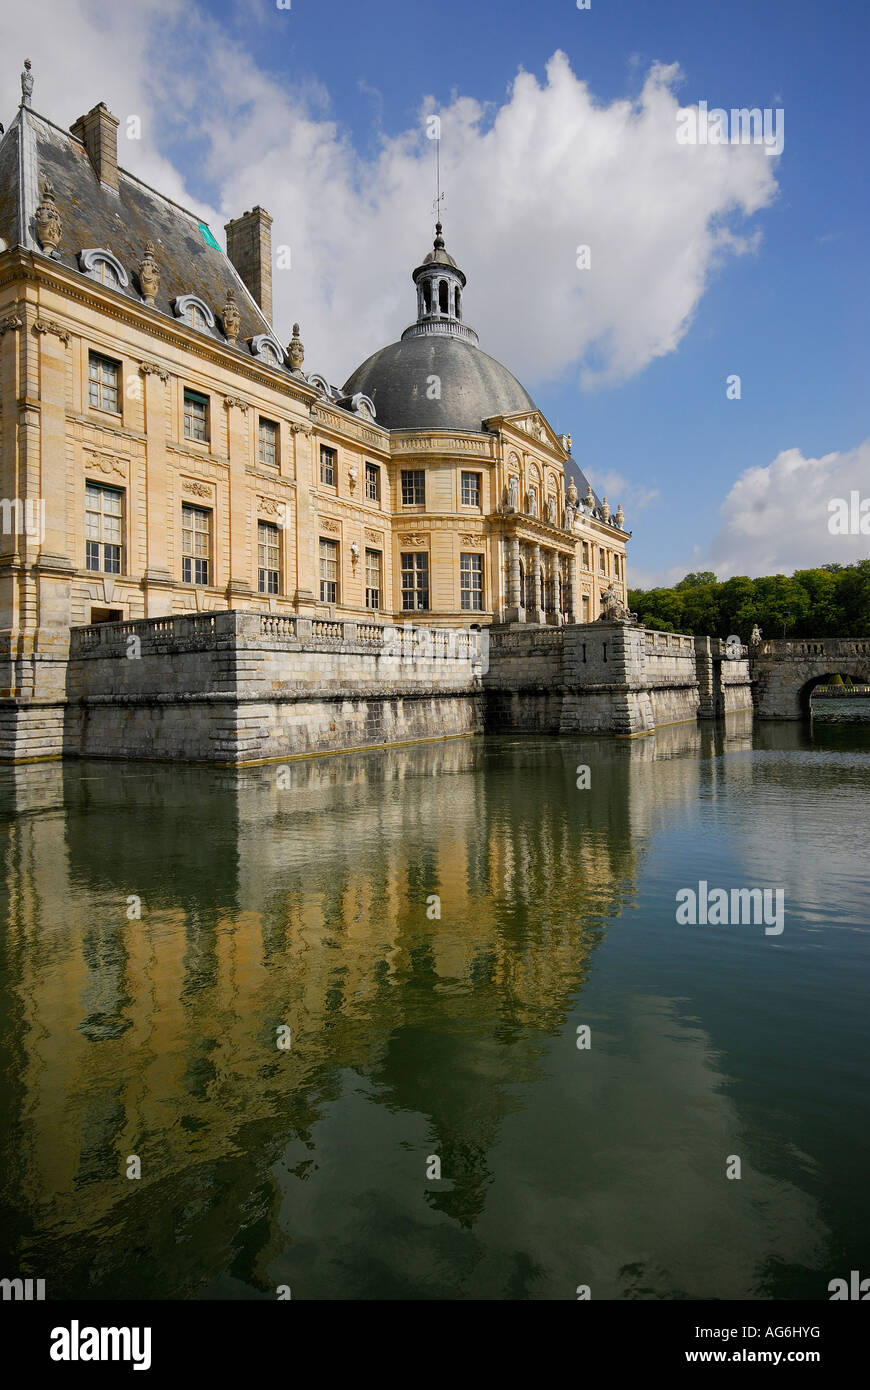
605	509
413	540
149	273
620	517
513	493
109	464
196	489
230	401
572	493
589	499
48	223
153	369
300	429
551	510
7	325
26	84
270	506
49	326
612	606
231	317
295	350
373	537
332	527
468	538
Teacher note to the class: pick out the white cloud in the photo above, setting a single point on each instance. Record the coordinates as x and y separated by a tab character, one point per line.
775	518
527	183
617	488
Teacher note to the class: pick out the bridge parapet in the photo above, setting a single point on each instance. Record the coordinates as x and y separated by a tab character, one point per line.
785	669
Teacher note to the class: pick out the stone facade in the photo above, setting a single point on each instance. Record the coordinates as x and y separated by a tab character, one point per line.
161	452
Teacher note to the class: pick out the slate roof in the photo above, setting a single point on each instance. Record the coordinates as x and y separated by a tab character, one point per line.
92	215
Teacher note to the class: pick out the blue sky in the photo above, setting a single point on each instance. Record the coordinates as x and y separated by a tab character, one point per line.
787	312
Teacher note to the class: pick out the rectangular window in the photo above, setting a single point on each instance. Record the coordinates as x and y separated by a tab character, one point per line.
413	487
584	604
616	566
415	582
267	450
327	465
373	483
602	561
195	544
268	558
328	571
586	555
373	579
104	529
471	489
103	375
196	416
471	582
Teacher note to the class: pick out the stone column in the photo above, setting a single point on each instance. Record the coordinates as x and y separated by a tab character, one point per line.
515	611
573	588
158	577
534	610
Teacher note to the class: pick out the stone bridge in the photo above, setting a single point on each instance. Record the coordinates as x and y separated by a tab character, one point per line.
785	671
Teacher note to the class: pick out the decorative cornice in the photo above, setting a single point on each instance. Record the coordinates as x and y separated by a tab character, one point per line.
153	369
444	444
12	322
230	401
50	326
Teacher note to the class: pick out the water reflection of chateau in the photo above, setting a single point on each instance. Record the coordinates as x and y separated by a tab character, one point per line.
304	906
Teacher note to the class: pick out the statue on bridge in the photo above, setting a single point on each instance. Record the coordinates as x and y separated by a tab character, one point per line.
755	639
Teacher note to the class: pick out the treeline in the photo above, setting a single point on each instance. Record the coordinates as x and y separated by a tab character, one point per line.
833	601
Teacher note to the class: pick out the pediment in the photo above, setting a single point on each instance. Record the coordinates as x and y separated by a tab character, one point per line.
534	426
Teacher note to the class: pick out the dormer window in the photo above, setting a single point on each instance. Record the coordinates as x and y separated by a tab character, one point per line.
194	312
103	267
267	349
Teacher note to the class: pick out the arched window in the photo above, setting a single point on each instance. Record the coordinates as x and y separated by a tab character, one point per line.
443	303
194	311
456	303
427	297
103	267
267	349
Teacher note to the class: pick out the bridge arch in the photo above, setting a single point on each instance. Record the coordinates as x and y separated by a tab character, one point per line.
784	673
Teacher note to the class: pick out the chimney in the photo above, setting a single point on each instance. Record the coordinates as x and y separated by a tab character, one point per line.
98	132
249	247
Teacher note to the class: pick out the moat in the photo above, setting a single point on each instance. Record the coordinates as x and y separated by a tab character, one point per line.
433	925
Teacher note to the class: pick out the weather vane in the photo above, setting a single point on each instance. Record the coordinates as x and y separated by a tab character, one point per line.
436	206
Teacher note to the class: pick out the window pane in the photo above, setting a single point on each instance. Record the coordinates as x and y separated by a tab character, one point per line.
471	489
373	579
373	483
327	466
195	544
268	450
471	582
415	581
413	487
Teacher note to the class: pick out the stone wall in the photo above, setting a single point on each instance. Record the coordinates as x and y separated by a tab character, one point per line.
613	678
240	687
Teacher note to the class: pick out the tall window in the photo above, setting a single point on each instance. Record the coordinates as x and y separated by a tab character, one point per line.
327	466
373	579
104	533
616	566
471	582
195	544
103	375
267	451
584	604
471	489
586	555
268	558
195	416
413	487
373	483
602	561
328	571
415	581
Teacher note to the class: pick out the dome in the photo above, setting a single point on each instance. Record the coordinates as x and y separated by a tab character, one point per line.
473	386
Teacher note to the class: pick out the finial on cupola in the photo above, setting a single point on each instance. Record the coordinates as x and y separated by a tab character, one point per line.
295	350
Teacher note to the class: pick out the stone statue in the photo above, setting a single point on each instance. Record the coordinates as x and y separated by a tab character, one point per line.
612	607
569	517
48	223
533	502
551	510
149	273
513	493
231	317
756	635
26	84
295	350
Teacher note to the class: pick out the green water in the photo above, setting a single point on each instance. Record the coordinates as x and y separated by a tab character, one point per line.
417	1037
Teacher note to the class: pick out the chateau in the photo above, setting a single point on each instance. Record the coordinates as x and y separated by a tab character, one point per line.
172	475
